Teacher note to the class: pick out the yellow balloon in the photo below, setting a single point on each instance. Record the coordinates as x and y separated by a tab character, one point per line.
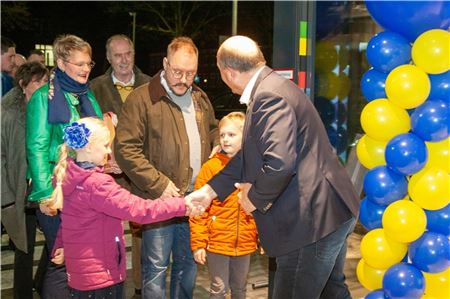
327	85
438	154
437	285
431	51
382	120
379	251
370	152
326	56
369	277
407	86
430	188
404	221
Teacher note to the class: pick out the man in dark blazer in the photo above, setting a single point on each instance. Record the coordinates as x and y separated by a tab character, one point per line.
291	181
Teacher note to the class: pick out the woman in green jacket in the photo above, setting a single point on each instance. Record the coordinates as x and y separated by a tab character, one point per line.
65	99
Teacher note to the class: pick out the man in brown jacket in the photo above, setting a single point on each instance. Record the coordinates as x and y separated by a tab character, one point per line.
111	90
166	130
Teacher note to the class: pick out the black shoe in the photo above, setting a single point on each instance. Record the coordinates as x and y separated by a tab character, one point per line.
137	291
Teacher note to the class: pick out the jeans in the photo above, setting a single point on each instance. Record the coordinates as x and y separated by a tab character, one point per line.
316	270
55	280
228	272
157	245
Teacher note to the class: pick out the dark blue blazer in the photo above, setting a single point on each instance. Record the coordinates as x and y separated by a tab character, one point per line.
300	189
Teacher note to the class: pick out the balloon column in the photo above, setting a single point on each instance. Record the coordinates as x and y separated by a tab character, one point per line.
406	253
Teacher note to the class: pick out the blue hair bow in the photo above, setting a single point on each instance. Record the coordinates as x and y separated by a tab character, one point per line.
76	135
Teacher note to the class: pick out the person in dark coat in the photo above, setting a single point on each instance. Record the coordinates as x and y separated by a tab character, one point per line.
20	223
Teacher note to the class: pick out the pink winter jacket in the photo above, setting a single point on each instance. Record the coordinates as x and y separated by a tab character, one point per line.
91	230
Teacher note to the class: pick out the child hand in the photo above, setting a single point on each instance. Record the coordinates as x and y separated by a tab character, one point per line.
58	257
200	256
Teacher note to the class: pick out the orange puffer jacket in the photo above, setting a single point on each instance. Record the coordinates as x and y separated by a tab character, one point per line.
224	228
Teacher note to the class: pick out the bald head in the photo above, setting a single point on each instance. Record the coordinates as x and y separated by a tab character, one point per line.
240	53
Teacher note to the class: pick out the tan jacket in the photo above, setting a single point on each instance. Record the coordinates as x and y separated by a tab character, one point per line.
152	144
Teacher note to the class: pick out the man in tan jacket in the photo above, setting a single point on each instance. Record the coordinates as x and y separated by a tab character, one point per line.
166	131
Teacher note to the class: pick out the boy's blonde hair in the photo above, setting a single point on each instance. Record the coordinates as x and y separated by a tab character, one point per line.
99	132
238	118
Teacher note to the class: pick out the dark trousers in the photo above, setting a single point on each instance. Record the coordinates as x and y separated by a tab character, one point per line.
316	270
116	291
23	262
55	280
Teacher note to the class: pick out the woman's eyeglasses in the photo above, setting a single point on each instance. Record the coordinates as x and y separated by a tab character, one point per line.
88	64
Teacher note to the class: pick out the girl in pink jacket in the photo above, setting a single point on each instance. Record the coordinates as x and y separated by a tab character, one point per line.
90	240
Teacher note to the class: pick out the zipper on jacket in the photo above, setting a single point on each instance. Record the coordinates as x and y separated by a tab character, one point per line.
237	229
119	253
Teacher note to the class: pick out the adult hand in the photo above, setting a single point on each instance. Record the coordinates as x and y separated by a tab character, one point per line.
244	201
111	166
200	256
191	209
46	209
58	257
202	197
215	150
171	191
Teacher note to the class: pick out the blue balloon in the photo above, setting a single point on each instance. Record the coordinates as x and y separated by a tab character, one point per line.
440	87
373	83
430	121
438	221
403	281
326	109
338	138
410	18
383	186
430	253
370	214
388	50
406	154
376	294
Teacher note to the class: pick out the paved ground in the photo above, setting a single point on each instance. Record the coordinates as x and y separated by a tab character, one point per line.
258	272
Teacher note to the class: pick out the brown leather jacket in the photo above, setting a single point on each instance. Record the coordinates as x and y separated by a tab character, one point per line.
152	144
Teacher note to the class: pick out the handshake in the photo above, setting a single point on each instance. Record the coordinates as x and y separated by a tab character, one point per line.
197	201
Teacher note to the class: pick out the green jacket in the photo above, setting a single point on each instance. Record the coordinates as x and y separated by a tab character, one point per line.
43	139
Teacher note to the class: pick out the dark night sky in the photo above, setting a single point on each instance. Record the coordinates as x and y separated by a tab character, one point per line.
94	21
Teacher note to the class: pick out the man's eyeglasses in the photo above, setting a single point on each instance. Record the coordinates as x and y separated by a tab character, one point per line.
88	64
177	74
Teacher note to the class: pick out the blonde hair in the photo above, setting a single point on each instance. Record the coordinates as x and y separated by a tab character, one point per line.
99	133
238	118
65	44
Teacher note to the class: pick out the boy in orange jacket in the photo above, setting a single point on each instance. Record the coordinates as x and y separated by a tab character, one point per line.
224	233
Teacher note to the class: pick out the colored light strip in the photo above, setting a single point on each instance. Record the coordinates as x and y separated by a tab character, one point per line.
303	38
302	79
